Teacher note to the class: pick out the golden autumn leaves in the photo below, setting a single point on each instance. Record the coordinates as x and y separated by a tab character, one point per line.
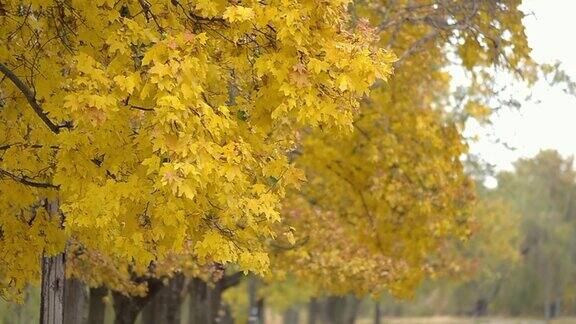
185	116
195	125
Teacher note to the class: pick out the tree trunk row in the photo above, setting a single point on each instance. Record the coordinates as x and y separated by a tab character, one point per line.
336	310
69	300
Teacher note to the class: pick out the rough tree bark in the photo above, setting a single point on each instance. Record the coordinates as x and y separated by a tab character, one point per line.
97	308
53	278
53	285
75	301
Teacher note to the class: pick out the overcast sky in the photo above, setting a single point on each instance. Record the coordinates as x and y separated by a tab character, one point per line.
549	120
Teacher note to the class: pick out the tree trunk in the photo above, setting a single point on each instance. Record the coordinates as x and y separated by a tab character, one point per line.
377	313
290	316
313	310
205	302
174	299
558	307
165	306
97	308
481	307
199	306
335	309
261	309
127	308
227	317
52	294
256	305
323	311
75	298
342	309
253	310
149	312
352	306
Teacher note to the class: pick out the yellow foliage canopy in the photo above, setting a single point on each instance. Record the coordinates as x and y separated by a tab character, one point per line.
155	123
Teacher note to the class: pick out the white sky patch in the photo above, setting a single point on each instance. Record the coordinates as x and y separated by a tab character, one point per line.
548	121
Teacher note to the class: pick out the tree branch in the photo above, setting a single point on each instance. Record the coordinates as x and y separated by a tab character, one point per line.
31	97
416	46
298	244
141	108
232	280
146	7
34	146
27	182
